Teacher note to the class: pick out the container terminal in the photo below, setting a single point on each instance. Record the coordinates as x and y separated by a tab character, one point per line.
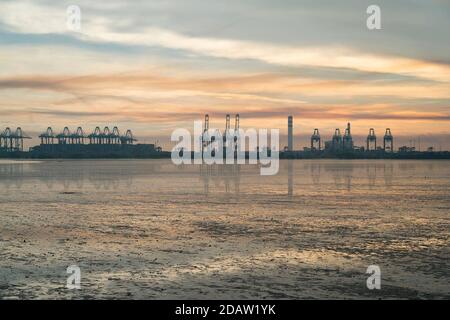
107	143
100	144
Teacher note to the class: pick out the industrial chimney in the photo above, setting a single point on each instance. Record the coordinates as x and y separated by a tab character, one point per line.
290	134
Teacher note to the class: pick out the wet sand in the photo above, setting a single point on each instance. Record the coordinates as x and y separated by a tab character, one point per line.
147	229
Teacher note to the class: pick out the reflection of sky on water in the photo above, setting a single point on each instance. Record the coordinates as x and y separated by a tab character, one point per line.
66	174
113	174
154	230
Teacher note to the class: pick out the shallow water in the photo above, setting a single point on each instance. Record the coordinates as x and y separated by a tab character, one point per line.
148	229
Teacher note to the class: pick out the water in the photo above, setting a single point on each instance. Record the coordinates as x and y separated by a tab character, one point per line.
147	229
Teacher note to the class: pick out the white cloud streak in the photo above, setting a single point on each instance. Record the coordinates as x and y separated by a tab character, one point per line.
25	17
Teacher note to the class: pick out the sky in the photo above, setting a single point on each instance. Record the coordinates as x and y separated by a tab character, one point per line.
153	66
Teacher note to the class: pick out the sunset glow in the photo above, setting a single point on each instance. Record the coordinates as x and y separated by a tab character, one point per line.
130	67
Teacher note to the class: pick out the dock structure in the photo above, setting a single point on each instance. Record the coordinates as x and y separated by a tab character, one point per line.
347	139
226	133
316	141
371	140
78	137
388	141
12	141
99	143
48	137
336	140
229	137
109	143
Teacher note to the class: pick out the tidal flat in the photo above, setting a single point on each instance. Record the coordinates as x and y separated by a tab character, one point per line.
147	229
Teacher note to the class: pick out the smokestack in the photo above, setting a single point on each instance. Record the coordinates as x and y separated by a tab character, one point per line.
290	134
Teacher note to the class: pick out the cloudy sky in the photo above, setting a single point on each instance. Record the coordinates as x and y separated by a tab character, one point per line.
154	66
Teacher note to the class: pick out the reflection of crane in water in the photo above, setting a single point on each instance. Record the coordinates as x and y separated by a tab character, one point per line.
9	174
388	174
73	174
371	174
226	174
314	169
342	175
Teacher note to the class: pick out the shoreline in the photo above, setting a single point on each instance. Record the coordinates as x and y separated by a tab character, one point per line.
292	155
